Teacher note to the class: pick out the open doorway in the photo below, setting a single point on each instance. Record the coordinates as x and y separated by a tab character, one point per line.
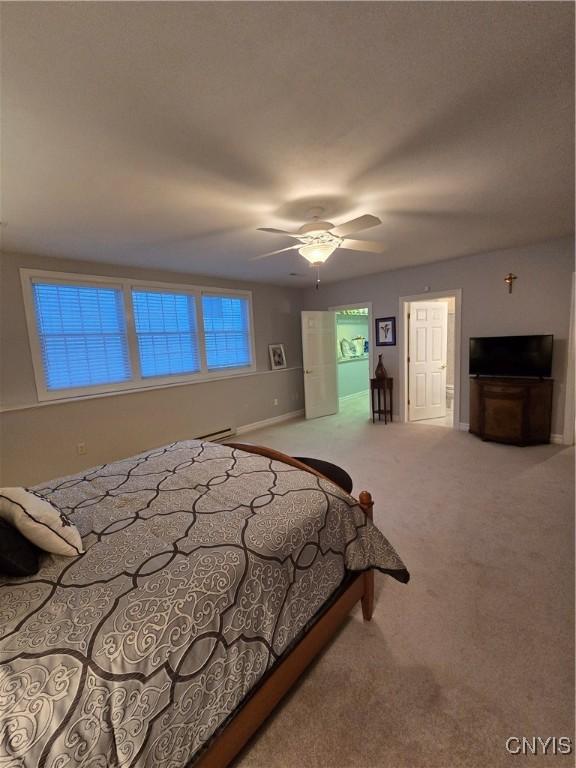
430	353
353	346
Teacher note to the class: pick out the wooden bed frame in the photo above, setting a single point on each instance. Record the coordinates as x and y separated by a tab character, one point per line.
228	743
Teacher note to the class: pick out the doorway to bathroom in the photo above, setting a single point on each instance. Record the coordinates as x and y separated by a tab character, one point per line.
354	356
430	351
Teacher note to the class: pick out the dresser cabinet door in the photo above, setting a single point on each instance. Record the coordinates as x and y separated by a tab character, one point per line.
516	411
503	417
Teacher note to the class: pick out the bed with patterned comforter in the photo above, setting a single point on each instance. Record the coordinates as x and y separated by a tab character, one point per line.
202	565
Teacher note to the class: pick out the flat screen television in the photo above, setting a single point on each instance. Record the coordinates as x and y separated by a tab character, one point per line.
511	356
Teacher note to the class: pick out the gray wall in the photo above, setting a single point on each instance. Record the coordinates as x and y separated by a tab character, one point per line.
540	302
38	442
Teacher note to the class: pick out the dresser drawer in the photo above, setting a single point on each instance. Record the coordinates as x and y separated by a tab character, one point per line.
503	389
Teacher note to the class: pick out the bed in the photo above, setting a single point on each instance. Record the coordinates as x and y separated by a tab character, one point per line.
212	576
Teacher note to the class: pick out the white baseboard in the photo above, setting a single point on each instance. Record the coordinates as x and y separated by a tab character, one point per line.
364	393
462	426
268	422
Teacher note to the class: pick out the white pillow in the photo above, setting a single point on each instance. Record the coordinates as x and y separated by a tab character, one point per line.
40	522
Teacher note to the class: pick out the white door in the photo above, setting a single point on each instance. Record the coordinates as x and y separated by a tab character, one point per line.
319	359
428	341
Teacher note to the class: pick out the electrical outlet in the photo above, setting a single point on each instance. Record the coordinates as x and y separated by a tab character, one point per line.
81	449
275	401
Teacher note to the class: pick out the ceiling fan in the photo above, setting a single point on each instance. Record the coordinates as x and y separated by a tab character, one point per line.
319	239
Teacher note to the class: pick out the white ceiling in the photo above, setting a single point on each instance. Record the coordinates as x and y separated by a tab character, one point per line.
162	134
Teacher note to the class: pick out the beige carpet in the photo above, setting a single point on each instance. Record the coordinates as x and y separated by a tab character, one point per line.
479	646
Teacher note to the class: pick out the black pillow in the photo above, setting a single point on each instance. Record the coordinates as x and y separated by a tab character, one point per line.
18	556
331	471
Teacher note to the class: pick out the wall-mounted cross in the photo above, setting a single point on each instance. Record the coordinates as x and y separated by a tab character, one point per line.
509	280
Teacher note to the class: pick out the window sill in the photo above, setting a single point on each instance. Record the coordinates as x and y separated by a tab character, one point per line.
136	390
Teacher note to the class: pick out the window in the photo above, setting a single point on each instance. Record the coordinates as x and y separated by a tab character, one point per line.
165	326
91	335
81	334
226	331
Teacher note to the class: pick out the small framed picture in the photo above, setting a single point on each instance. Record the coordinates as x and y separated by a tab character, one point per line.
277	356
386	332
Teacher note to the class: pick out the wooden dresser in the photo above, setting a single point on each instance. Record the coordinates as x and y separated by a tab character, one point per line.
516	411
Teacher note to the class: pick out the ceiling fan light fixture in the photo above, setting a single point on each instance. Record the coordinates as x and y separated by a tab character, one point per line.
317	253
315	227
319	239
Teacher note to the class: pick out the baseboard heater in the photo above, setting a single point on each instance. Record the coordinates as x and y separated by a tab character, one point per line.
221	434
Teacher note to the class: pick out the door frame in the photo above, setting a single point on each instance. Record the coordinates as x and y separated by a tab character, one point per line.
362	305
569	409
403	306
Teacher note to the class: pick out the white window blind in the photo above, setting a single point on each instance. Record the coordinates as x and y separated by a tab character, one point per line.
167	334
82	335
226	331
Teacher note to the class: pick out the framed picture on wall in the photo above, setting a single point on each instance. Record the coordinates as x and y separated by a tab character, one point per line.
277	356
386	332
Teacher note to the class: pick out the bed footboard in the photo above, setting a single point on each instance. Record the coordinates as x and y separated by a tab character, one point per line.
367	504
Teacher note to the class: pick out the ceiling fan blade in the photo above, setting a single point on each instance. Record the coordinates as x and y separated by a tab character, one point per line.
276	231
363	245
355	225
265	255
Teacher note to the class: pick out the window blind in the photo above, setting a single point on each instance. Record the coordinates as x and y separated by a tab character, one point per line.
226	331
167	333
82	335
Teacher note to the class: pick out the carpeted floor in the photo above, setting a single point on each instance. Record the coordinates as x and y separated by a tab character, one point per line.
479	646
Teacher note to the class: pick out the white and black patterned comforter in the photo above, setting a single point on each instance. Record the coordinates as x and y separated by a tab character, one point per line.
202	565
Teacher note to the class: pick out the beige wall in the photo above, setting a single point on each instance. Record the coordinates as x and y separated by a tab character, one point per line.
540	302
39	442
